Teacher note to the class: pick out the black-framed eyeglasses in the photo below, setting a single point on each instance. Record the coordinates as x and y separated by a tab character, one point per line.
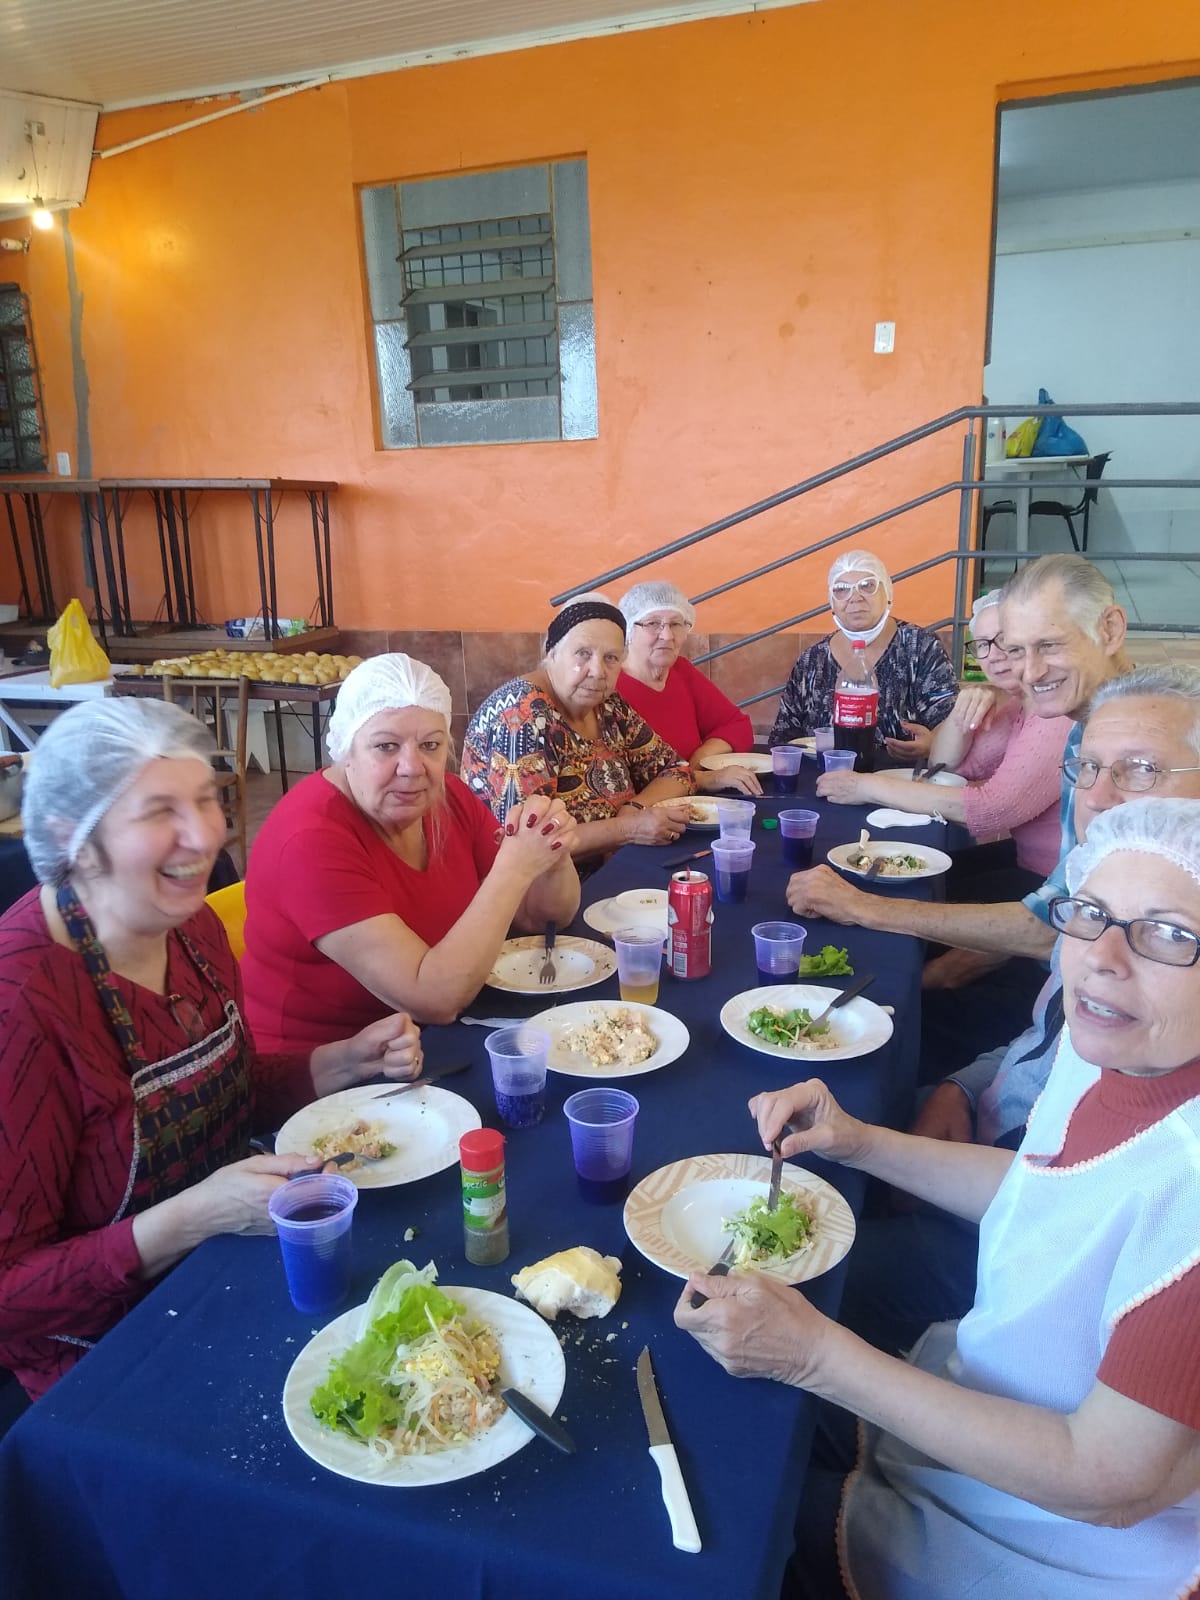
982	648
1133	774
1164	942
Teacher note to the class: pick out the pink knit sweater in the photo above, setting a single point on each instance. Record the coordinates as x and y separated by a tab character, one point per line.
1017	757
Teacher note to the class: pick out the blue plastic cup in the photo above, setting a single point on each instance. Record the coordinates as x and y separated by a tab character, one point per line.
732	859
602	1122
518	1056
312	1216
796	829
778	947
785	768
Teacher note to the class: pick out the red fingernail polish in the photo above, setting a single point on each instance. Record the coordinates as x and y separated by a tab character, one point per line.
498	835
549	828
510	828
532	823
558	845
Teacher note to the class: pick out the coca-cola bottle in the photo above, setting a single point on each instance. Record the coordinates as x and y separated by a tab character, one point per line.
856	709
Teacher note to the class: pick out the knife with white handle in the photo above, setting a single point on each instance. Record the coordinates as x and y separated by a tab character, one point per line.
684	1533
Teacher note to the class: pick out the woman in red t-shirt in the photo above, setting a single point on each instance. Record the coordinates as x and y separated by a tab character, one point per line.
382	883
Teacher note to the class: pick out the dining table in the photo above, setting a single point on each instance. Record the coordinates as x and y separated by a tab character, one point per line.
1019	475
160	1465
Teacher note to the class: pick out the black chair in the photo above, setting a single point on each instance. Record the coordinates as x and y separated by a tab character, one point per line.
1057	508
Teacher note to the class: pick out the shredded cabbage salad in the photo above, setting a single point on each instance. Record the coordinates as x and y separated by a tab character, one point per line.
761	1235
419	1377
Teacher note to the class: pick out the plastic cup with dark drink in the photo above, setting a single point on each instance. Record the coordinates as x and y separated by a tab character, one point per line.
838	760
312	1216
602	1122
518	1057
732	859
796	829
778	947
785	767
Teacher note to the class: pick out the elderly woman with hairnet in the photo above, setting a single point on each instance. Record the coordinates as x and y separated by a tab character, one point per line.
129	1087
381	881
685	708
917	686
1048	1444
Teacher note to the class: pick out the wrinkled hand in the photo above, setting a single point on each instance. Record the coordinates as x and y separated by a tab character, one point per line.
956	968
660	824
391	1046
731	777
973	707
820	892
756	1327
915	747
819	1123
843	788
234	1199
538	836
947	1115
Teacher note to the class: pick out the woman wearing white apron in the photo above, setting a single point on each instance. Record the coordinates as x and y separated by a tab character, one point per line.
129	1086
1049	1444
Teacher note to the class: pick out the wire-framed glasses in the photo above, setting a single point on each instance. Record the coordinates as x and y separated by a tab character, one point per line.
843	591
675	629
1164	942
1133	774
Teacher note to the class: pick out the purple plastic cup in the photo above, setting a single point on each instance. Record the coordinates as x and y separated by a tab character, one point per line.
602	1122
785	767
518	1057
796	829
732	859
778	947
312	1216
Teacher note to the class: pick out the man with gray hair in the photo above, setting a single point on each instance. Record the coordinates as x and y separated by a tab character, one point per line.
1065	632
1141	740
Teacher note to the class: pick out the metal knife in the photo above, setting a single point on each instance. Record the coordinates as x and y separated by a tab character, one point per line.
542	1423
875	868
852	993
684	1533
682	861
426	1077
719	1269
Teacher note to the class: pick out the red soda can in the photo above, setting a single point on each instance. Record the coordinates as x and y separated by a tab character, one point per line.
689	922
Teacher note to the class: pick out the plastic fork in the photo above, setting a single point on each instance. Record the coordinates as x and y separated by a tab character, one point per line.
548	973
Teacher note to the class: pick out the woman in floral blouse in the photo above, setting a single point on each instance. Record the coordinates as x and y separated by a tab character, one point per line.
564	731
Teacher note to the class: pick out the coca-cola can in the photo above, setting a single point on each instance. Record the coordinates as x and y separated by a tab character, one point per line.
689	922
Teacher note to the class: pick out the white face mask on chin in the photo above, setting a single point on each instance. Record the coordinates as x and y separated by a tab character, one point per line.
864	635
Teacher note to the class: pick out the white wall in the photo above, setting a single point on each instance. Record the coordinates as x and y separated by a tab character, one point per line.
1097	298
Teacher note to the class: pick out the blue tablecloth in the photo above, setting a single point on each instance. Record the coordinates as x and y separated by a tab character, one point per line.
160	1467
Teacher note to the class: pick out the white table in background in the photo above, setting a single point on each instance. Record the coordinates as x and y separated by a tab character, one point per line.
33	688
1022	494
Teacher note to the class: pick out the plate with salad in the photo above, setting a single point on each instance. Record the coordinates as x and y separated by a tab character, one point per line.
775	1020
415	1133
682	1217
405	1390
901	859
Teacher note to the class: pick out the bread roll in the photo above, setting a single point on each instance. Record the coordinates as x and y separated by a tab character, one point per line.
579	1280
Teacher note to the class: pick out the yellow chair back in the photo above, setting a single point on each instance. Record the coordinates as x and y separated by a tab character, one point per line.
230	906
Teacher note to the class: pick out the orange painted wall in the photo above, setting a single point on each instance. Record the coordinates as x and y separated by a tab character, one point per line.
763	189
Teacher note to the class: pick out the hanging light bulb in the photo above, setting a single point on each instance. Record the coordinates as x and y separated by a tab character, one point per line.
41	217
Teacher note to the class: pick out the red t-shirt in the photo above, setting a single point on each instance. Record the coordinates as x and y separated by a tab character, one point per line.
1151	1356
318	865
688	710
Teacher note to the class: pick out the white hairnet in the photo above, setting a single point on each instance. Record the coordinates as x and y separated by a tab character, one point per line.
1166	828
83	764
382	683
644	598
861	561
991	598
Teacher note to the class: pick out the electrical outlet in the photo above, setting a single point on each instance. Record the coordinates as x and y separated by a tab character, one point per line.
885	338
35	130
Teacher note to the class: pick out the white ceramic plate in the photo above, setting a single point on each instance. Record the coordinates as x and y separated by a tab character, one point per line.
424	1124
531	1360
673	1038
701	813
752	760
935	861
578	963
948	780
674	1215
635	908
856	1028
806	742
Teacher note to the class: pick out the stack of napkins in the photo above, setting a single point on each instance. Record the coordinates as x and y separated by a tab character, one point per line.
886	817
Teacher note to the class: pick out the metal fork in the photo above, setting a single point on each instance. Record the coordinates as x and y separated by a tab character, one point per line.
548	973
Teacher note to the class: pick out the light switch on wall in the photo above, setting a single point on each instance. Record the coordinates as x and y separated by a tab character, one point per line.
885	338
62	463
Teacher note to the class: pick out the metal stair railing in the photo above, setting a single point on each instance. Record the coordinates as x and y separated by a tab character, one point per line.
968	487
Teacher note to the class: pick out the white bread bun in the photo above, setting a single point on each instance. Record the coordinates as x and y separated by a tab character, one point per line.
579	1280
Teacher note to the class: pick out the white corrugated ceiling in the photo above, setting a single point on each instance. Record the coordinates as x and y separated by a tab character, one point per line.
137	52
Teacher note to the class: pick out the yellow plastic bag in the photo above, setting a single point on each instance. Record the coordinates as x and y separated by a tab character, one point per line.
75	657
1022	440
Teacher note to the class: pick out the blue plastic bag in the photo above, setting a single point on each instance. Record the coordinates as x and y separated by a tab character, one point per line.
1055	437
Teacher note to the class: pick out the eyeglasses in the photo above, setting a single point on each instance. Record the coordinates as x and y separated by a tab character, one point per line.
675	629
1133	774
843	591
1164	942
981	649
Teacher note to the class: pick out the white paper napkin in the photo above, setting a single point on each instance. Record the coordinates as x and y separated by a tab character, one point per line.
885	817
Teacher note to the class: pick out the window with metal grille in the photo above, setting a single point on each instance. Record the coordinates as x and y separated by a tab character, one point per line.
481	300
22	429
